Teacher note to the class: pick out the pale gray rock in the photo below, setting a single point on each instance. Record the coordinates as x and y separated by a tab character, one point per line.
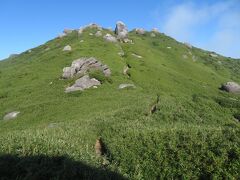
123	86
155	30
188	45
184	56
121	31
67	31
231	87
90	34
110	38
67	48
13	55
62	35
11	115
137	56
125	70
169	47
153	35
98	34
83	65
213	55
80	31
83	83
140	31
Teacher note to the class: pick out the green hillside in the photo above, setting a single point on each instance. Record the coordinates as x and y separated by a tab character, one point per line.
194	132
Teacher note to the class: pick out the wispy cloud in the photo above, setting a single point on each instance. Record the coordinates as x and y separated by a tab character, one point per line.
211	26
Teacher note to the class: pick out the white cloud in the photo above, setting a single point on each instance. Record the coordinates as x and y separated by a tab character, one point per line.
214	27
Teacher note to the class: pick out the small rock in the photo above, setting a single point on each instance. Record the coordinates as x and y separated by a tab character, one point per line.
11	115
188	45
81	41
29	51
153	35
184	56
140	31
47	49
67	48
213	55
90	34
13	55
137	56
169	47
53	125
83	83
62	35
231	87
123	86
82	65
67	31
80	31
110	38
98	34
125	70
121	54
155	30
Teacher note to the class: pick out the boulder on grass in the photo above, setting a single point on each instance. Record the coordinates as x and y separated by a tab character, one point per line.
84	82
121	31
67	48
110	38
123	86
140	31
231	87
11	115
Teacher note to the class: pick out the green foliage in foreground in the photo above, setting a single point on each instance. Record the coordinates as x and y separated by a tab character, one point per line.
193	134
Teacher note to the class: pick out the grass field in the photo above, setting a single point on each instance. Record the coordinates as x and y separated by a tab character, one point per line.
193	134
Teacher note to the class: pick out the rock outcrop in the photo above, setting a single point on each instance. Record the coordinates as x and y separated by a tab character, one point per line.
82	66
231	87
110	38
140	31
11	115
84	82
121	31
67	48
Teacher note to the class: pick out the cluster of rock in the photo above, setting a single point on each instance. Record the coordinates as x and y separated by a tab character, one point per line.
81	67
231	87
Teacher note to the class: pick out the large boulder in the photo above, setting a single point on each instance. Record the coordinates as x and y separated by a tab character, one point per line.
11	115
83	65
121	31
231	87
84	82
110	38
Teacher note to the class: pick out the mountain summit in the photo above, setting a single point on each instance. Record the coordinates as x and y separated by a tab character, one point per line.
100	104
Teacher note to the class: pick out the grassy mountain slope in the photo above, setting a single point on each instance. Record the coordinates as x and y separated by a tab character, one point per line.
193	134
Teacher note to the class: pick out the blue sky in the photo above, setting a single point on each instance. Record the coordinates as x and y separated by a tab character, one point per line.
209	24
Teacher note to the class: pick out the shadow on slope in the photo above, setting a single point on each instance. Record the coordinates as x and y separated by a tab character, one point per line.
44	167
